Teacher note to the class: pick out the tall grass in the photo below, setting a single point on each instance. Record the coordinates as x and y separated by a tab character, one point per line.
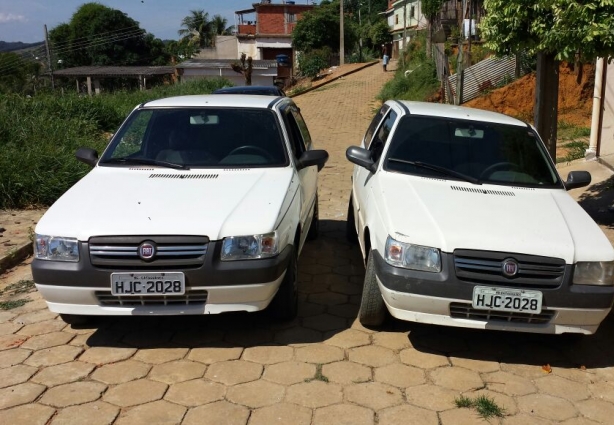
39	136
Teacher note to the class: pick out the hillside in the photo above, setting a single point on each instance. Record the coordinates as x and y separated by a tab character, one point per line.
8	46
517	99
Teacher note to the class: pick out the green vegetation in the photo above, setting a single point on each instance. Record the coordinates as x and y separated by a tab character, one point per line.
40	135
318	376
420	83
20	287
575	150
485	406
569	131
9	305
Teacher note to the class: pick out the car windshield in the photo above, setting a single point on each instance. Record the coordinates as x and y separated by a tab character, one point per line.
198	137
474	151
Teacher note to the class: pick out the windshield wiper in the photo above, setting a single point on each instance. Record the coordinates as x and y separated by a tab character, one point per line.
439	169
145	161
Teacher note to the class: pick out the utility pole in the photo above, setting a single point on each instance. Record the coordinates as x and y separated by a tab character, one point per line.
404	33
341	40
49	58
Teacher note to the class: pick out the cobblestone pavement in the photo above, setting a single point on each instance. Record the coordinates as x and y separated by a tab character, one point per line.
322	368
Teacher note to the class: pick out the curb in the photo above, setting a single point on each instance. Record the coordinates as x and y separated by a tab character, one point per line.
16	256
366	65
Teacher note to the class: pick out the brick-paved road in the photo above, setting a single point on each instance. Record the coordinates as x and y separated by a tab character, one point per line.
322	368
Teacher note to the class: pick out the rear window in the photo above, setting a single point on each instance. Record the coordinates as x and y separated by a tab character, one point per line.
201	137
491	153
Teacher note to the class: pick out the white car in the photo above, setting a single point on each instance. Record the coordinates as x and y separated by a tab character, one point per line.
199	205
464	221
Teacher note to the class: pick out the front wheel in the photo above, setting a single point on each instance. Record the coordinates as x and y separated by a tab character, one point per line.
285	304
372	307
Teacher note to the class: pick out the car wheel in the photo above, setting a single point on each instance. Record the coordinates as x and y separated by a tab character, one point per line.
314	228
372	307
350	224
285	303
75	319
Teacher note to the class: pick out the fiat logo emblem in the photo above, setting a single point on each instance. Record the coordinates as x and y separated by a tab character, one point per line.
510	267
147	250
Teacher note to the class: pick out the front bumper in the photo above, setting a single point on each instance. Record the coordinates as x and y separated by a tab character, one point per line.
443	299
211	288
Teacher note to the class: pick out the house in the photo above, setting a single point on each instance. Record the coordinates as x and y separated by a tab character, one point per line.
403	16
601	145
265	30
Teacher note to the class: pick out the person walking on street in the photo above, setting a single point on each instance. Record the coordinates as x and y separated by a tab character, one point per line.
385	58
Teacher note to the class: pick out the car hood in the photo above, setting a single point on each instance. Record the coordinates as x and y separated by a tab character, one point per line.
153	201
457	215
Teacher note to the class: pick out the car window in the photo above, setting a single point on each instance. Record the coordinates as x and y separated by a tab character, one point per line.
297	141
131	140
302	126
490	152
381	136
201	137
374	123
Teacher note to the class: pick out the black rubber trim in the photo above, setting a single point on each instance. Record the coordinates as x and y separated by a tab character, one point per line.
213	272
446	285
273	102
404	107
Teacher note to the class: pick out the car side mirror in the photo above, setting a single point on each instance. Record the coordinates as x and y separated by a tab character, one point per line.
314	157
360	157
88	156
577	179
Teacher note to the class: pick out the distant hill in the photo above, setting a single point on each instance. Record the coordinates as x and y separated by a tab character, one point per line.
6	46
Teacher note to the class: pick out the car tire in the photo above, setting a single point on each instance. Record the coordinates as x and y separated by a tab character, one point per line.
75	319
372	307
285	303
314	228
350	224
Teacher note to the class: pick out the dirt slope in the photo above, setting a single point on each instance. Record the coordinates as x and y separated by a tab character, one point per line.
517	99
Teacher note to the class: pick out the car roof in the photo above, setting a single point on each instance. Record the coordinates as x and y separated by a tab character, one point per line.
458	112
213	100
273	90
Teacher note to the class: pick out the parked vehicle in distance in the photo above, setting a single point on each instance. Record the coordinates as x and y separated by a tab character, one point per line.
199	205
464	221
261	90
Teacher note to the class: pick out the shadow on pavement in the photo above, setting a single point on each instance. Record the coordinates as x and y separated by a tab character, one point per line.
598	202
331	273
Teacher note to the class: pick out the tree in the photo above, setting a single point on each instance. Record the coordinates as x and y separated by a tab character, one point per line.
219	25
430	9
99	35
18	75
319	28
555	30
198	29
244	68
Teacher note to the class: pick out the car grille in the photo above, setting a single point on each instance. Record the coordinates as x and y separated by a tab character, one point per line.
105	298
121	252
485	267
465	311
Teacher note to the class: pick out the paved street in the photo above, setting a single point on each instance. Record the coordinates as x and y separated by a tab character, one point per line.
322	368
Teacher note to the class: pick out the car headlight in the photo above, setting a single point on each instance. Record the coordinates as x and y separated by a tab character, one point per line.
250	247
594	273
56	248
415	257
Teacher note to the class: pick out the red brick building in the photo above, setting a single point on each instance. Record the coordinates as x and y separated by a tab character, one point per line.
265	30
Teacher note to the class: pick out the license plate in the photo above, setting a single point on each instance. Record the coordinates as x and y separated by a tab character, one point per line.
506	299
156	283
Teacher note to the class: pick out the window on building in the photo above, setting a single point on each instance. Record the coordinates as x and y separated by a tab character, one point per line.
290	18
396	19
412	12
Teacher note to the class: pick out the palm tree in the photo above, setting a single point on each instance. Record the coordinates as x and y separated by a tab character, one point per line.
219	23
197	28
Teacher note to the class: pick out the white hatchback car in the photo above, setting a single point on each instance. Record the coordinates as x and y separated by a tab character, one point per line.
199	205
464	221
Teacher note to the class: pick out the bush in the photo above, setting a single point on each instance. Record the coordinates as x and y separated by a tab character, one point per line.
39	137
310	63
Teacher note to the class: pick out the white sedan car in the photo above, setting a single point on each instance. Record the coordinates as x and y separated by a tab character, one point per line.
199	205
464	221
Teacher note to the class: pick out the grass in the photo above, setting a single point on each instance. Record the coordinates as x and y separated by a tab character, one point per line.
485	406
318	376
39	136
575	150
568	131
11	304
21	287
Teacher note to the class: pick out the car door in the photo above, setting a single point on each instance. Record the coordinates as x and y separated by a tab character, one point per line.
375	141
300	141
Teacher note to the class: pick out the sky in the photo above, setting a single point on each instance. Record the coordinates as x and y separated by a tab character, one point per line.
23	20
